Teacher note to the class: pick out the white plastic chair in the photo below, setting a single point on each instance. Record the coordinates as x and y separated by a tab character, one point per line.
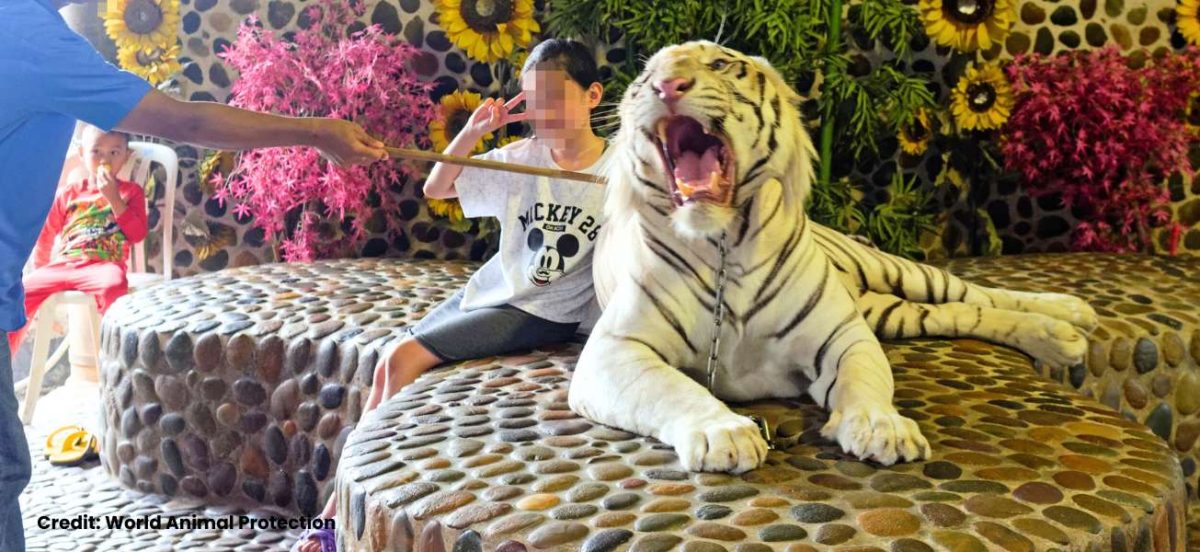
81	305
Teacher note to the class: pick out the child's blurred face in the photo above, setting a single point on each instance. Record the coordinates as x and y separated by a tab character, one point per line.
557	104
100	148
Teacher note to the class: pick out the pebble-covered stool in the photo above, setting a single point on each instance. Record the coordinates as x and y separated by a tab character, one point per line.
240	386
486	455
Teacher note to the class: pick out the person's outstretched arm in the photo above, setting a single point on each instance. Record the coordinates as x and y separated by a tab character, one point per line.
488	117
219	126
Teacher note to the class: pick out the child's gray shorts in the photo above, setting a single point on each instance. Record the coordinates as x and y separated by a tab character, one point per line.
454	334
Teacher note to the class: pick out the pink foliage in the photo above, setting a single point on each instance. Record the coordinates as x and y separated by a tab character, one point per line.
365	77
1103	134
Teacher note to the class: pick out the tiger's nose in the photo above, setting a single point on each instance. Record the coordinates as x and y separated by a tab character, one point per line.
671	90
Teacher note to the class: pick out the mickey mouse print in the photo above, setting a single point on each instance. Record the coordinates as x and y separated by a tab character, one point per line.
555	235
548	229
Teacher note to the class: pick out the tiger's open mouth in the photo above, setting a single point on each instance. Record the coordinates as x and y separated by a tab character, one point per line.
699	164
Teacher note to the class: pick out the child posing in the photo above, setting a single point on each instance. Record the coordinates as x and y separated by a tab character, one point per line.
95	220
537	289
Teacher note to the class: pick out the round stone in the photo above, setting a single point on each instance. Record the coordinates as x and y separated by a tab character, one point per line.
1073	518
898	482
1187	393
1120	355
172	391
1160	421
1173	348
613	519
716	531
538	502
610	472
620	501
285	399
331	395
660	522
943	515
1037	492
607	540
782	533
248	392
1075	480
942	470
228	414
670	489
816	513
574	511
713	511
656	543
1145	355
213	389
666	505
276	445
587	492
889	522
221	478
755	516
995	506
834	533
727	494
172	424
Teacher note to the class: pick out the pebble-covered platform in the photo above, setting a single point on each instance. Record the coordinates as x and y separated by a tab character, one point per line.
239	387
486	453
487	456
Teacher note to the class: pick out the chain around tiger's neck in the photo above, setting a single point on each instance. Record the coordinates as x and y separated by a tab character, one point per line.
718	315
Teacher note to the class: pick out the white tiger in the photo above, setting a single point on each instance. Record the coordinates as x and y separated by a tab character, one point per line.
711	145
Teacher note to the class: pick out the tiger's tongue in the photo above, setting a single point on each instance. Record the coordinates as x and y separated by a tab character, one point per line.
697	173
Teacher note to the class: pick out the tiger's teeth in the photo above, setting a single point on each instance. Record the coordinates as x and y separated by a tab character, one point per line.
684	188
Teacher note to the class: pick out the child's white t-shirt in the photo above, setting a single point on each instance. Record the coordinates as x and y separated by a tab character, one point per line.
548	228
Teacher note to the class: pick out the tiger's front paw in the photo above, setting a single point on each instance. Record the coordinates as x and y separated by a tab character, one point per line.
1070	309
876	432
726	443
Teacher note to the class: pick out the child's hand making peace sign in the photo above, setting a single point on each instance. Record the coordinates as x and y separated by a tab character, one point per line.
491	115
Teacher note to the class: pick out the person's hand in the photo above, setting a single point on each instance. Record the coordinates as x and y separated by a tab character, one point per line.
346	143
106	182
492	114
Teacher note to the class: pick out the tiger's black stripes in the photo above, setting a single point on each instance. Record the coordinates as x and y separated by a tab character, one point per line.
885	315
662	357
833	336
809	305
669	317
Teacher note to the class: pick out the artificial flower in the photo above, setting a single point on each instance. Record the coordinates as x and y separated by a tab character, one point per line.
457	108
983	99
914	137
1187	20
488	30
156	65
142	25
967	25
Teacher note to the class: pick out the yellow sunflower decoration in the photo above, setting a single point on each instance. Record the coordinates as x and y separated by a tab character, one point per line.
1187	20
501	142
488	30
982	100
967	25
155	65
518	61
142	24
914	137
456	111
446	208
1191	115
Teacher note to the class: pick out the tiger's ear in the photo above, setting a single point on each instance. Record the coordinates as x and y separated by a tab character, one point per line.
777	80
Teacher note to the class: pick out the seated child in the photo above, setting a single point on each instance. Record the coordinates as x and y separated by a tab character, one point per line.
537	289
95	219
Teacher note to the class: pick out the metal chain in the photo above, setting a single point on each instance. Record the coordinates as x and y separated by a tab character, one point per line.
718	314
715	348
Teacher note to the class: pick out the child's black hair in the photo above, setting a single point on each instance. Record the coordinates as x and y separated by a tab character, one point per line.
92	128
571	56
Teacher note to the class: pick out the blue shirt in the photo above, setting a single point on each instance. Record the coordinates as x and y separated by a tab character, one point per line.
49	77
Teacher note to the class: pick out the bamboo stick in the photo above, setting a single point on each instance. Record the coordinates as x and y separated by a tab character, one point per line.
405	153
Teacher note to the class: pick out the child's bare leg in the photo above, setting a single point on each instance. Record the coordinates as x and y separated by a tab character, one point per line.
407	361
